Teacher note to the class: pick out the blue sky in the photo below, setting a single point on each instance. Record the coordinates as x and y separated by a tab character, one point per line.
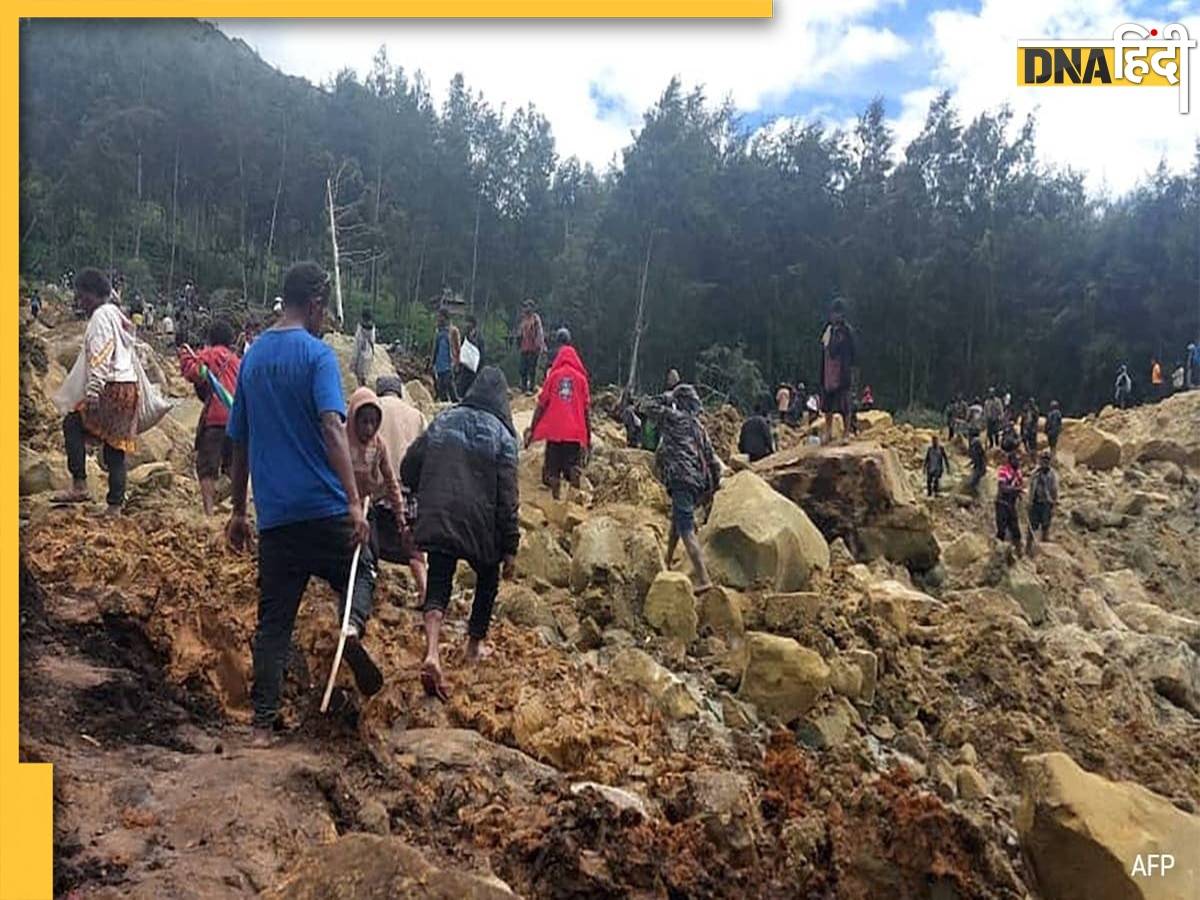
593	80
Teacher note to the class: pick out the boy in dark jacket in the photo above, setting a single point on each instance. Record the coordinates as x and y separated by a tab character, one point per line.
936	463
464	472
1043	497
689	468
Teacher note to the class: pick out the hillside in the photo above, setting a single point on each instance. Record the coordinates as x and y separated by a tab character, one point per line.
884	707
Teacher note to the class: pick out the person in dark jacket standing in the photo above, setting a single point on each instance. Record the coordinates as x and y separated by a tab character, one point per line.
756	440
978	463
837	359
936	463
1043	497
688	467
1054	425
464	472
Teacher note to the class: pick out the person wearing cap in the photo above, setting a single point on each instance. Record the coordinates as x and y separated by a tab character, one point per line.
533	344
563	416
1043	497
288	436
837	359
689	469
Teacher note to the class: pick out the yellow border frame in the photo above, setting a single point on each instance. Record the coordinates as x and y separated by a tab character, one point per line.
26	791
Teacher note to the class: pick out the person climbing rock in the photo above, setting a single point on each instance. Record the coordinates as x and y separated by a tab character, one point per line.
532	344
377	476
104	401
837	359
464	471
364	347
563	417
1043	497
214	450
936	464
288	437
688	467
1009	487
1054	426
755	439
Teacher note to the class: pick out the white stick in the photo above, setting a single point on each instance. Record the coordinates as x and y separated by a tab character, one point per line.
345	630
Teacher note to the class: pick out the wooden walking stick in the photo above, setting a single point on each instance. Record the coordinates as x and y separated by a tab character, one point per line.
345	630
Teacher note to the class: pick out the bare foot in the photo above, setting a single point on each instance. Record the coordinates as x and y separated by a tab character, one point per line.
71	496
432	679
477	650
702	587
261	737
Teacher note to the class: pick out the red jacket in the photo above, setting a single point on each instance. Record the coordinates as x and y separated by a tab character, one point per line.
564	401
223	363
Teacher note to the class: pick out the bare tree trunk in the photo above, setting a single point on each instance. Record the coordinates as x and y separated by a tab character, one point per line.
137	233
337	277
420	268
174	220
475	248
274	213
641	309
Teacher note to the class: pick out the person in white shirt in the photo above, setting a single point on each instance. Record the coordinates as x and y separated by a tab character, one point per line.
107	409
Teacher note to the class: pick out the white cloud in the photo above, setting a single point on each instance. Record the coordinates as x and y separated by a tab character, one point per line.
1115	135
555	64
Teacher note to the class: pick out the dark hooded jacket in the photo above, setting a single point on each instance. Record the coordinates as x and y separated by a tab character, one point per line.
464	472
685	455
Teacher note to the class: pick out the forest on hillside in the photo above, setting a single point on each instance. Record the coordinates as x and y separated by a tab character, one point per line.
171	152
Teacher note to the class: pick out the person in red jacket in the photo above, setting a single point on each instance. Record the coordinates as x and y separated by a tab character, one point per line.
563	416
214	451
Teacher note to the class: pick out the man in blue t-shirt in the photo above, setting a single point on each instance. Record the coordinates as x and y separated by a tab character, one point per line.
443	357
288	436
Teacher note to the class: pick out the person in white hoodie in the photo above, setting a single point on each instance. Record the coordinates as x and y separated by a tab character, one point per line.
108	410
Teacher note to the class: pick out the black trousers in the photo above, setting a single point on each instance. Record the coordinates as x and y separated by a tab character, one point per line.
441	582
993	433
932	483
529	363
288	556
444	387
1008	524
75	436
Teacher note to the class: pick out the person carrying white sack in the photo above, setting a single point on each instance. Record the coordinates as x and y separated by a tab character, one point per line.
106	397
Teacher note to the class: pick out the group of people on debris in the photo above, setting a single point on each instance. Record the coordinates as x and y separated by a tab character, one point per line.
1184	377
997	419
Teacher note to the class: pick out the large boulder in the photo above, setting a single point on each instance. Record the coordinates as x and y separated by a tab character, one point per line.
757	537
1089	445
343	346
1172	451
1085	836
615	565
38	474
670	606
1022	582
900	605
416	393
872	419
359	866
1146	618
860	493
541	557
965	550
1167	664
663	687
782	678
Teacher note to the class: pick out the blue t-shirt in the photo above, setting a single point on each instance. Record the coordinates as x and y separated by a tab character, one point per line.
287	380
441	351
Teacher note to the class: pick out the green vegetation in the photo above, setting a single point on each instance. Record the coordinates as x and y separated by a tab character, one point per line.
172	152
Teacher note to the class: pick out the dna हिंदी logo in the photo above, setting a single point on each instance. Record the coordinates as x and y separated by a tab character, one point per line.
1135	57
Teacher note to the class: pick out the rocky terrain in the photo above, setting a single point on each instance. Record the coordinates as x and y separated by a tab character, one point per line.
876	701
